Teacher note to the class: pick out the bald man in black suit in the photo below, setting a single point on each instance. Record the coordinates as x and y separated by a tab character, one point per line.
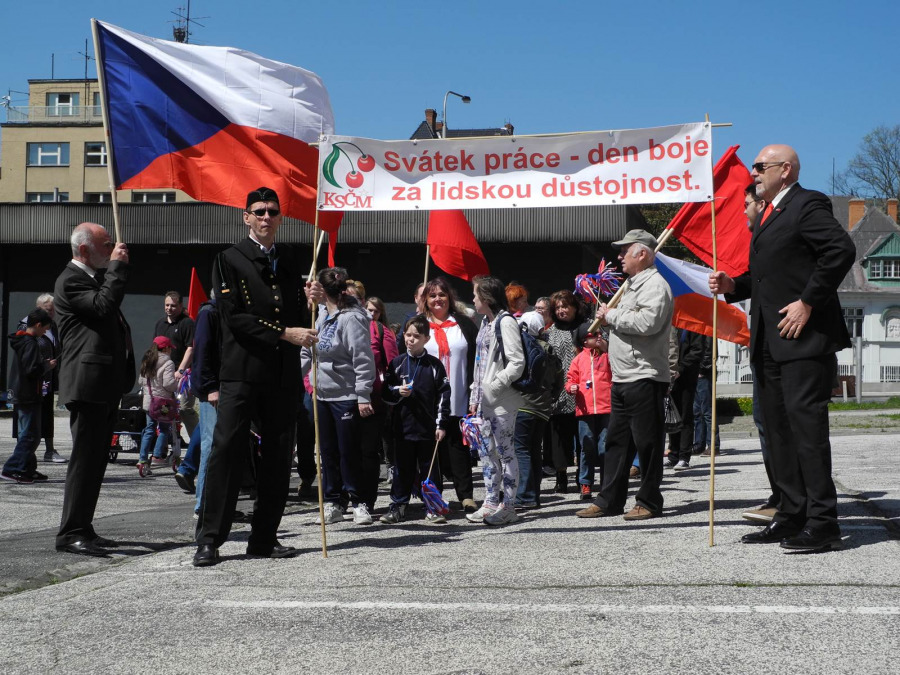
97	368
799	254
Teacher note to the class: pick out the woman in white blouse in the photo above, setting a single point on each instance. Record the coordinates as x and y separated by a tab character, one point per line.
452	340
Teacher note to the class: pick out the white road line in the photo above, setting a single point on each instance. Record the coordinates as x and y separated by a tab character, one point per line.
534	608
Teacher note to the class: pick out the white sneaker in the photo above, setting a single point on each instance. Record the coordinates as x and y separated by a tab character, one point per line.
434	518
682	466
332	515
479	515
361	515
501	516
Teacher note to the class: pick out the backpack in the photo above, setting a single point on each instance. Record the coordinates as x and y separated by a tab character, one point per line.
543	367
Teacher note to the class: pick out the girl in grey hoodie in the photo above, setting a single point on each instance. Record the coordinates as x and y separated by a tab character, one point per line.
343	383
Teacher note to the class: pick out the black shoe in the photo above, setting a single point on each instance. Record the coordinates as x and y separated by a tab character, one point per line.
562	484
103	542
306	492
206	556
278	551
772	533
17	477
813	541
82	547
186	483
38	476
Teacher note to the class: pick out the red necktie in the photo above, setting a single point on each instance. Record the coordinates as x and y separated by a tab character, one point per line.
767	212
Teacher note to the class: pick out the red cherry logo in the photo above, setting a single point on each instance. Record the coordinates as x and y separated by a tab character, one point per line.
354	179
365	163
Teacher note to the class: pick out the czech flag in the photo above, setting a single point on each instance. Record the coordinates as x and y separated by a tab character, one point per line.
693	301
215	122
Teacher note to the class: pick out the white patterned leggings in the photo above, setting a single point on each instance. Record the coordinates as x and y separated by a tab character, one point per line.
498	458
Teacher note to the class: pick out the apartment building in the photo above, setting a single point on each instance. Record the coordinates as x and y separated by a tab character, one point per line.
54	149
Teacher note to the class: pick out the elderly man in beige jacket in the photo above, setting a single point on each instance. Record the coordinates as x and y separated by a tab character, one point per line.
638	356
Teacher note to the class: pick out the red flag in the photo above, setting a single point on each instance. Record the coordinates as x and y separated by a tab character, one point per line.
693	222
196	296
453	246
332	246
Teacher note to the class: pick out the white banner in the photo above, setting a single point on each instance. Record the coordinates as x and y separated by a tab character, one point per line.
632	166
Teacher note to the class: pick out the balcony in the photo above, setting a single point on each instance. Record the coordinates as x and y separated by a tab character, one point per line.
63	115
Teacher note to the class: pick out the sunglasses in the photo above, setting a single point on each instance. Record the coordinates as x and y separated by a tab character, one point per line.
760	167
259	213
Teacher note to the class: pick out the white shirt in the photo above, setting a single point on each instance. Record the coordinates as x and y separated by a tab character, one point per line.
90	271
456	372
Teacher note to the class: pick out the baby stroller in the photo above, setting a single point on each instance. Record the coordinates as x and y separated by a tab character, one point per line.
130	423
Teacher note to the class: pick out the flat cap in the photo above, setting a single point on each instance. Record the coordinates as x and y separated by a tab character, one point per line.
637	236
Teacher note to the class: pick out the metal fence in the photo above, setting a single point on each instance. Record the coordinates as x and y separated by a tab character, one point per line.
54	114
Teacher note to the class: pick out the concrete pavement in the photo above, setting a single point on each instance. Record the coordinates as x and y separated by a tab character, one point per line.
550	594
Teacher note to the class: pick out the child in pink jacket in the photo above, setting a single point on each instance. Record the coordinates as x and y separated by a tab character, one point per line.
590	379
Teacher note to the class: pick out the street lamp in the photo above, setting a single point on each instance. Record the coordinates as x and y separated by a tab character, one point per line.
465	99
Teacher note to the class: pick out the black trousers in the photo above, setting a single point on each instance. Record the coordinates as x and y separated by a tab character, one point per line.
413	460
456	459
274	411
92	427
562	432
681	443
794	398
370	457
635	427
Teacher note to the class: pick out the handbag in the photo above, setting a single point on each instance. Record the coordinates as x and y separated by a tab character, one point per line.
672	422
161	409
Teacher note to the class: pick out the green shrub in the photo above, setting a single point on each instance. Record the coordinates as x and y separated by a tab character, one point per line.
733	407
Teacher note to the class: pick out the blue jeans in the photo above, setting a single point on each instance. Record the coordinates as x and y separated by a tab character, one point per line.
190	463
23	459
528	442
703	415
208	416
162	439
592	438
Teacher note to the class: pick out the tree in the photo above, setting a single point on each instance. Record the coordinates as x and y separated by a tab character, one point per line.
658	217
875	170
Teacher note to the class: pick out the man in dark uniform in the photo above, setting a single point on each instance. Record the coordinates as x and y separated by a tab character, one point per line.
799	254
97	367
262	309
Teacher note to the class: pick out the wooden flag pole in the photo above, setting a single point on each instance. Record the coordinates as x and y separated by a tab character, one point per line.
713	377
101	80
427	261
317	246
317	240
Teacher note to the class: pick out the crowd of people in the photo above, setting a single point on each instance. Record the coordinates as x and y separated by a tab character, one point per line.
525	392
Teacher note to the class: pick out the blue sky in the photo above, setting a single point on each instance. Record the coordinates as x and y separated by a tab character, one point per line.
815	75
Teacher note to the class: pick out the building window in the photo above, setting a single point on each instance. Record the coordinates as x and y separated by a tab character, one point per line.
884	268
853	317
153	197
97	110
35	197
62	105
97	197
95	154
48	154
